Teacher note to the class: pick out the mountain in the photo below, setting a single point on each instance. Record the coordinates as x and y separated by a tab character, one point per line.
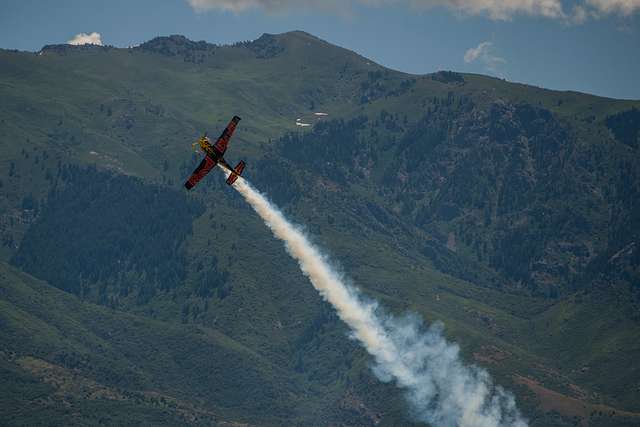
506	211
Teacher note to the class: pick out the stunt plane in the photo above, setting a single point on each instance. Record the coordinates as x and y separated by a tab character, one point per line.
214	154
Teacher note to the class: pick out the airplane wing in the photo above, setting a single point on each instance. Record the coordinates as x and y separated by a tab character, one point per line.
203	168
223	141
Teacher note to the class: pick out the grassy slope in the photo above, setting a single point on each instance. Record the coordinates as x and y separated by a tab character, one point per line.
117	353
52	98
63	357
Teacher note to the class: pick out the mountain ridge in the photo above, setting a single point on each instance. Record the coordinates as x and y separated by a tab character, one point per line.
505	211
295	35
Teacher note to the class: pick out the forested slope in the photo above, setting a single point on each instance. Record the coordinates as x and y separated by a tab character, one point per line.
506	211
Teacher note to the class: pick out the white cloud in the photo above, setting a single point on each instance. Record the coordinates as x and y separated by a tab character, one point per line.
84	38
621	7
500	9
494	9
484	53
473	53
238	6
231	5
580	15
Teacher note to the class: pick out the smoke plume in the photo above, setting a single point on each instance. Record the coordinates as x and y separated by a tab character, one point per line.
440	388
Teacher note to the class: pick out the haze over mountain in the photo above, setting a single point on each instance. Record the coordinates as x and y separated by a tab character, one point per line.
506	211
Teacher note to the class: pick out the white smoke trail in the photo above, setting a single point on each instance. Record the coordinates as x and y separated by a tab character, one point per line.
440	388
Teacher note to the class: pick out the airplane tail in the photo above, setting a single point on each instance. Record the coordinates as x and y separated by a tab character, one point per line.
237	171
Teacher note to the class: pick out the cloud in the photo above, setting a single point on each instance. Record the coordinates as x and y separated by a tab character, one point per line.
230	5
84	38
619	7
474	53
495	9
484	53
238	6
580	14
499	10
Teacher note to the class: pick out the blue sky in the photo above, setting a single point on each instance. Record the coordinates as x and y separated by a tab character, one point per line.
585	45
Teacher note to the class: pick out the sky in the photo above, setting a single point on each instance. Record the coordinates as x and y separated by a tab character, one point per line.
590	46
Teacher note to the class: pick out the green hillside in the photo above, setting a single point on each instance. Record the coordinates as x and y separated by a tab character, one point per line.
82	364
508	212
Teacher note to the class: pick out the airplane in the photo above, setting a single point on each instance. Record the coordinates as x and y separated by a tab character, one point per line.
214	155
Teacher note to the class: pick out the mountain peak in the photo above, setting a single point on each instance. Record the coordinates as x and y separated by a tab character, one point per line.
298	37
298	34
175	45
64	49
